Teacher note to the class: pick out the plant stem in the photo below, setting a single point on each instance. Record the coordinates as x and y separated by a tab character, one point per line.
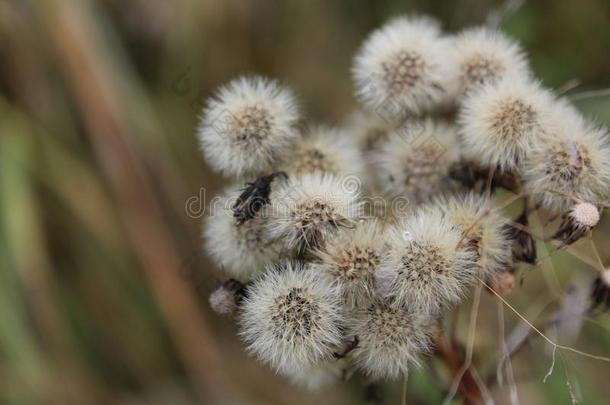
405	385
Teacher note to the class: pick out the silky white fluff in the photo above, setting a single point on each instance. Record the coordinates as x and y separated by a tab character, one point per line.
487	230
390	339
248	125
402	67
483	56
325	150
291	318
239	250
499	123
571	164
350	260
307	209
426	268
416	159
585	214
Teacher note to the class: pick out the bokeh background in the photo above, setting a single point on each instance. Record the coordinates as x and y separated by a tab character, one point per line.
103	281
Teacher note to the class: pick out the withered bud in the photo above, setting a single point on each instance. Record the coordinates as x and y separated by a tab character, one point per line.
254	196
600	291
577	222
524	246
224	300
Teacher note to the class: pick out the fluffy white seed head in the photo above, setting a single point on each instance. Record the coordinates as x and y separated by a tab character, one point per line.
350	260
240	250
484	56
416	159
390	339
308	209
324	150
585	214
402	67
248	125
291	318
425	268
571	163
484	230
500	122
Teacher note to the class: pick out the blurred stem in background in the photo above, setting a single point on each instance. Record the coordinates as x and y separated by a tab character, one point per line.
83	57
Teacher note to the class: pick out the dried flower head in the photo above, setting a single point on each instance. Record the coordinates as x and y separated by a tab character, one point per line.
307	209
240	249
390	339
402	67
524	244
224	299
571	164
484	56
324	150
426	267
291	318
483	229
577	222
248	125
500	122
600	291
350	259
585	215
416	159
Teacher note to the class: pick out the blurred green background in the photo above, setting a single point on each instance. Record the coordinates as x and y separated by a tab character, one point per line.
103	282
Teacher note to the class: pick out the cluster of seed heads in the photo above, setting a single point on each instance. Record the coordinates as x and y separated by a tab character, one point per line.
323	283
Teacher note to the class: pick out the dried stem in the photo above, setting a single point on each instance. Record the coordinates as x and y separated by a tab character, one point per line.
94	85
472	327
450	354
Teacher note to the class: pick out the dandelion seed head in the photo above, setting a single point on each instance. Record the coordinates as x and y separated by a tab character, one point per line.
486	230
350	260
241	250
571	163
390	339
324	150
484	56
415	160
500	122
248	126
308	209
429	270
291	318
402	67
